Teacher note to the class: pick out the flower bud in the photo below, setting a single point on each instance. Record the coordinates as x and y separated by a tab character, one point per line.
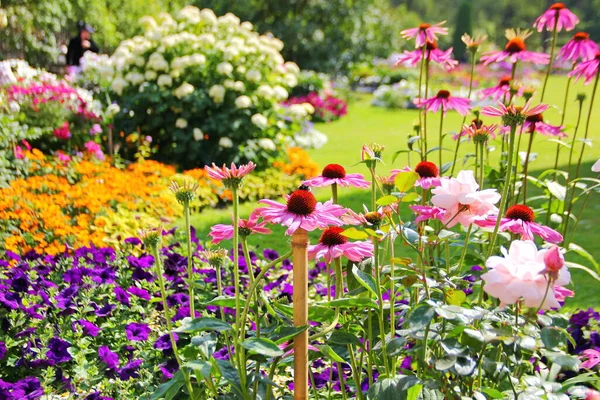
554	259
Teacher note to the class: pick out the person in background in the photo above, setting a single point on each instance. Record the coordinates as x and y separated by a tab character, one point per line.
81	43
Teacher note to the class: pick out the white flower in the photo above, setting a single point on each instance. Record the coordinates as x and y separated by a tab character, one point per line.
596	166
149	75
266	91
183	90
225	142
318	35
309	108
267	144
181	123
3	19
298	110
260	121
198	134
164	80
118	85
217	93
247	25
148	23
157	62
180	62
253	75
280	93
229	19
135	78
197	59
189	13
224	68
243	102
290	80
208	16
239	86
207	38
112	110
312	139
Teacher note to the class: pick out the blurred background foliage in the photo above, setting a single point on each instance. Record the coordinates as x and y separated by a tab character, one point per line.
322	35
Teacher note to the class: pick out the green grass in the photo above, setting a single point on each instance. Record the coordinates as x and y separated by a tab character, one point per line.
365	124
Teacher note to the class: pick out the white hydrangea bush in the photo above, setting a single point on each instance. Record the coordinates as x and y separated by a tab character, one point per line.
206	88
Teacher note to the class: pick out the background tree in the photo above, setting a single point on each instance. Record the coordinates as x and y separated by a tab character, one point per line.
464	24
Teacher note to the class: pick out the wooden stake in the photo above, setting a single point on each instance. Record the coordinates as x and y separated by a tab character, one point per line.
300	299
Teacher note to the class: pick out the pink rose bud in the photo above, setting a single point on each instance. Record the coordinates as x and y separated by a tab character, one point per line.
592	395
554	259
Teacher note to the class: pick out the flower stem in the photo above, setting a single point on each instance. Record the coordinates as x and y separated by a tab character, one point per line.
441	139
190	265
425	111
526	167
423	147
334	193
545	295
552	47
569	174
163	294
473	62
465	246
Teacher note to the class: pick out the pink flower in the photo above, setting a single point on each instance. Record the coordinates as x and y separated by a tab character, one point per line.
95	129
515	50
62	157
562	293
557	16
554	259
432	54
593	358
579	47
497	92
18	152
461	200
334	173
535	123
429	174
428	212
502	111
62	132
587	69
519	274
473	131
424	33
333	244
301	211
231	175
245	228
592	394
520	220
446	102
366	219
95	149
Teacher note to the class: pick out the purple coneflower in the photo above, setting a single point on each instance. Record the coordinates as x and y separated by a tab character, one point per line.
557	16
333	244
446	102
334	173
579	47
515	50
587	69
424	33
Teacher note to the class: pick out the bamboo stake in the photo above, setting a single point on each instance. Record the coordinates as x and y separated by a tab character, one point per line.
300	299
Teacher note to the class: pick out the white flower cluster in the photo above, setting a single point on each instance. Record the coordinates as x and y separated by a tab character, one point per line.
13	71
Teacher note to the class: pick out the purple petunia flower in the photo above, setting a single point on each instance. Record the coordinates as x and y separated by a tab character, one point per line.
108	357
129	371
26	389
139	292
137	332
145	261
106	310
10	300
164	342
133	241
57	350
96	396
87	327
105	276
2	350
121	295
169	368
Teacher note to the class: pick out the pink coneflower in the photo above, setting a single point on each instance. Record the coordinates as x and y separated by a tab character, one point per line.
477	132
446	102
334	173
230	176
366	219
333	244
557	16
515	50
562	293
587	69
301	211
535	123
512	112
428	212
497	92
424	33
432	54
245	228
579	47
429	174
462	201
593	358
520	220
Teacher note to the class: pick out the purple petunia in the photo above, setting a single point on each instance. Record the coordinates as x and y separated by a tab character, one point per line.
145	261
87	327
139	292
169	368
137	332
133	241
121	295
28	388
164	342
129	371
2	350
96	396
108	357
58	350
106	310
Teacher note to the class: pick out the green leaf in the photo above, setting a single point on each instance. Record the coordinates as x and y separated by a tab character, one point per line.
410	197
223	301
351	302
228	372
365	280
169	389
387	200
445	363
455	297
392	388
465	366
262	346
286	333
585	254
344	338
552	338
420	317
565	361
353	233
586	269
201	366
329	353
395	346
559	191
406	180
414	392
203	324
493	393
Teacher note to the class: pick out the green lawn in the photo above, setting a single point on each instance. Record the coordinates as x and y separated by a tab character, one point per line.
365	124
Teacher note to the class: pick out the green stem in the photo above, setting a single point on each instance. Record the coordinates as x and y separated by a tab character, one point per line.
441	138
392	298
570	203
545	294
465	246
526	167
587	196
473	62
553	45
424	111
334	193
221	308
356	372
163	293
381	310
423	149
190	265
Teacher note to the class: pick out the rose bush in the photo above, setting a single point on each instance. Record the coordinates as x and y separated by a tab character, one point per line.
204	88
